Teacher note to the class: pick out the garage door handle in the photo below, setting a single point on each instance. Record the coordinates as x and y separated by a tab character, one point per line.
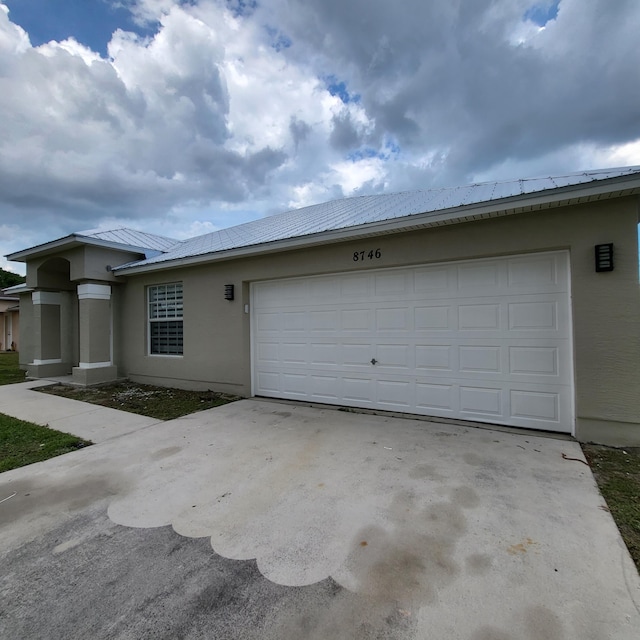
373	361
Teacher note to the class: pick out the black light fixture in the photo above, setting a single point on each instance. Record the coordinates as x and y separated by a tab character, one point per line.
604	257
228	292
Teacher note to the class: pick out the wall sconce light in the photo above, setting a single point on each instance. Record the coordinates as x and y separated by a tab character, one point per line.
604	257
228	292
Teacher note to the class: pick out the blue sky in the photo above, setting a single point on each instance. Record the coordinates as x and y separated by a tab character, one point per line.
202	114
91	22
542	13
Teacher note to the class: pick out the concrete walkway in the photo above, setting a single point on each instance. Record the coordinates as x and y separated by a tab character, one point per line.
268	520
88	421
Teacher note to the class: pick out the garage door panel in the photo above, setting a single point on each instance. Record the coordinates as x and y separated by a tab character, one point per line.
354	287
473	277
325	388
394	284
534	360
434	356
324	353
486	401
395	394
438	399
398	356
269	382
476	359
533	316
294	352
359	390
356	354
356	320
392	319
268	322
268	352
533	272
323	289
294	384
478	316
323	320
432	318
433	280
535	405
486	340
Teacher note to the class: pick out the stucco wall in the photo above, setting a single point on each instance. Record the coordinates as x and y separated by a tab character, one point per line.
606	306
26	326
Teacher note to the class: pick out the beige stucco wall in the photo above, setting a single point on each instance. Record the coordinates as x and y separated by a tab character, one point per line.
83	264
606	306
95	330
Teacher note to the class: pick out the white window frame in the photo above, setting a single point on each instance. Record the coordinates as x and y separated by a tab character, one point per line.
164	310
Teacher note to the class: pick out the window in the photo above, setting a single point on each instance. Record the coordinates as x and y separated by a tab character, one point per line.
165	319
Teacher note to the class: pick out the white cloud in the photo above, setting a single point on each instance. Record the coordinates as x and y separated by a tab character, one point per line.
224	114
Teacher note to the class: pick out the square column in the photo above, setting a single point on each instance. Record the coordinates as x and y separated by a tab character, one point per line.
47	347
95	329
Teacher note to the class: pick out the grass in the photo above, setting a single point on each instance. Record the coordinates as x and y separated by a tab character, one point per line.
9	371
161	403
23	443
617	472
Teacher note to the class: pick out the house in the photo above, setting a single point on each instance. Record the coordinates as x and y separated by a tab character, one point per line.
9	320
513	303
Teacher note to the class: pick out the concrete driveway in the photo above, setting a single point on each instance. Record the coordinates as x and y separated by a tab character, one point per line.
273	521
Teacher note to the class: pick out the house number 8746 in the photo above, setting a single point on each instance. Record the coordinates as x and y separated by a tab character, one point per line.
372	254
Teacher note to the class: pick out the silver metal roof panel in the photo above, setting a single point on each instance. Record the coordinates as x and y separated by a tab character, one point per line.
435	206
131	238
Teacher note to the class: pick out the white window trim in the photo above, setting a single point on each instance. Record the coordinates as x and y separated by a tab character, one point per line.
150	320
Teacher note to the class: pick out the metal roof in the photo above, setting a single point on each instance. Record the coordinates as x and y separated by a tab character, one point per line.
131	238
434	206
121	239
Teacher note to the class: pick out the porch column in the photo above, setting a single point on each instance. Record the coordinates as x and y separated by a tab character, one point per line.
95	330
47	345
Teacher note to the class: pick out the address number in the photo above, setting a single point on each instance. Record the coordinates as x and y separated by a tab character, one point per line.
372	254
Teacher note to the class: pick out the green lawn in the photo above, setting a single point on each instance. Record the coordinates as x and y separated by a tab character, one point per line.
617	472
23	443
9	371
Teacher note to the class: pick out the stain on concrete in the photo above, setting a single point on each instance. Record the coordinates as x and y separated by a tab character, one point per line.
543	624
167	452
521	547
532	623
426	472
50	496
405	566
473	459
478	564
491	633
465	497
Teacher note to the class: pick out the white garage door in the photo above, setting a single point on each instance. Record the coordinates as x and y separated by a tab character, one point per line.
483	340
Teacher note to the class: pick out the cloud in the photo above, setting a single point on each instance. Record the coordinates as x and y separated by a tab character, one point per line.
232	110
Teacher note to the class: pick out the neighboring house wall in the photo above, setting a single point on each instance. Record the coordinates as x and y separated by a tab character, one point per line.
9	325
605	306
27	342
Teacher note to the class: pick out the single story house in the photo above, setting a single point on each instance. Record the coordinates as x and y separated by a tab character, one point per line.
9	320
512	303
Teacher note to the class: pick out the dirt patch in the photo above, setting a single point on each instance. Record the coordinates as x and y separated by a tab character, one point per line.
161	403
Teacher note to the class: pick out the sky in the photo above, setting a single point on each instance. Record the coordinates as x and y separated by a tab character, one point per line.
183	117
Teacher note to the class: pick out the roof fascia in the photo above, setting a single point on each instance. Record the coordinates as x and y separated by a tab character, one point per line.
16	289
75	240
562	196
